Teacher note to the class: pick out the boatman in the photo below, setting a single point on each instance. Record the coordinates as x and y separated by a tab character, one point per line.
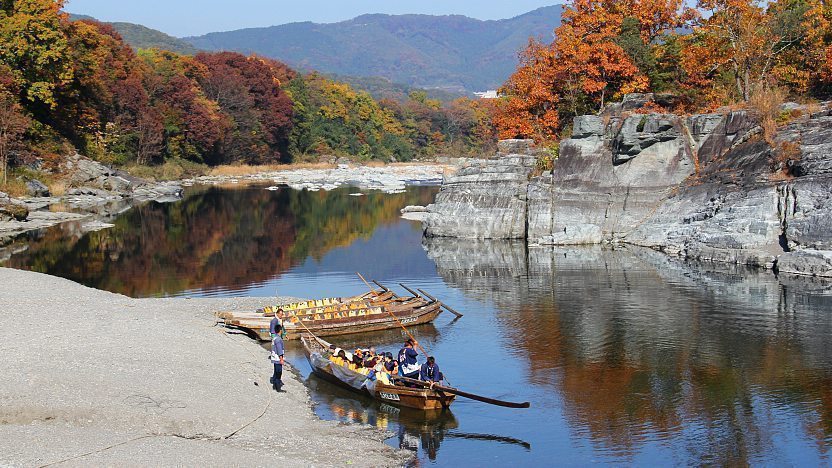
430	372
277	359
276	322
408	365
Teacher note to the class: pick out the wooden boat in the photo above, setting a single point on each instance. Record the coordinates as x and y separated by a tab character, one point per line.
338	316
318	353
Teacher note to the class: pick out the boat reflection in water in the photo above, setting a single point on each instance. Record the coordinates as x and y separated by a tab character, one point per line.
422	432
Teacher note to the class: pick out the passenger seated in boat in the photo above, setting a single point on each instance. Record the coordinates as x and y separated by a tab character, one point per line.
390	364
340	358
430	371
371	358
383	377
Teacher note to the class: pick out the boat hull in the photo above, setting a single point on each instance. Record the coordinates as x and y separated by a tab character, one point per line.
415	398
259	326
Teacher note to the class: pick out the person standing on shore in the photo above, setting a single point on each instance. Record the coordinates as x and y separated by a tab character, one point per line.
277	359
276	322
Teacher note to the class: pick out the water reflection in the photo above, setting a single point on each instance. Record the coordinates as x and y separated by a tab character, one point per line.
627	356
413	430
643	348
216	239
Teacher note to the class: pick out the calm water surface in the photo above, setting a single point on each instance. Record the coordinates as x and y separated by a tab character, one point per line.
628	357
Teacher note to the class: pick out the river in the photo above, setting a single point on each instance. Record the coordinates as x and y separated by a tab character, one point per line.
627	356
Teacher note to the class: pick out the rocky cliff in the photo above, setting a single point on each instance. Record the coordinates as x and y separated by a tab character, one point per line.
486	198
705	187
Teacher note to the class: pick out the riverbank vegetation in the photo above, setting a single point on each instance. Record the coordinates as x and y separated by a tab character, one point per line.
718	53
70	86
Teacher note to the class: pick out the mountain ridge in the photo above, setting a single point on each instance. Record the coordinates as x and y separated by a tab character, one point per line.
452	52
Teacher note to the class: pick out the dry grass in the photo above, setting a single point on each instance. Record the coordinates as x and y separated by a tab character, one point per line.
14	187
58	187
175	169
813	108
765	103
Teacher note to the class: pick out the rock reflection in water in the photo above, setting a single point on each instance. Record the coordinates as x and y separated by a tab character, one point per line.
722	364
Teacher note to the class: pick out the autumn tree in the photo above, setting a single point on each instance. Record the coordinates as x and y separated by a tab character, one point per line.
602	50
744	41
12	121
249	91
34	46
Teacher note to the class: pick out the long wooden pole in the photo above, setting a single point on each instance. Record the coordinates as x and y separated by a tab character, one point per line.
447	307
386	288
410	290
408	333
365	281
472	396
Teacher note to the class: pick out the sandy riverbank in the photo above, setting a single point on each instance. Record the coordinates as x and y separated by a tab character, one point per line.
95	378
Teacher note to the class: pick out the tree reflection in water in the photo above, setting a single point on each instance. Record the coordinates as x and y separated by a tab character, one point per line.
216	238
718	362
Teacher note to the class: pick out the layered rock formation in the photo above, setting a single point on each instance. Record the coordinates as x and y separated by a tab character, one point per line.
486	198
704	187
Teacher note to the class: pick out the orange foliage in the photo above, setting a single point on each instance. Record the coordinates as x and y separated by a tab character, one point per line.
584	67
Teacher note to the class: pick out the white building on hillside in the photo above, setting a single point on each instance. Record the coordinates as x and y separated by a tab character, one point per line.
490	94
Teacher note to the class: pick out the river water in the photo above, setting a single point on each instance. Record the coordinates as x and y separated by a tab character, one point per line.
627	356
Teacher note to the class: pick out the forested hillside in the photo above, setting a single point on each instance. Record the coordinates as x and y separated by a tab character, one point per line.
449	52
142	37
76	85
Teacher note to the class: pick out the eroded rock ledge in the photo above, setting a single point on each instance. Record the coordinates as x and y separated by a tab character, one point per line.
704	187
96	194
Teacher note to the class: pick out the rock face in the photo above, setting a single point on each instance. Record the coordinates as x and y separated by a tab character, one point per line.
36	188
705	187
95	191
484	200
609	177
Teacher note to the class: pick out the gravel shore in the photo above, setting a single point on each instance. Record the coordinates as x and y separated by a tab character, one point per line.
95	378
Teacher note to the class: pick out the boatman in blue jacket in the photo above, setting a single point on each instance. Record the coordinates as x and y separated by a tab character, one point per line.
408	365
277	359
430	372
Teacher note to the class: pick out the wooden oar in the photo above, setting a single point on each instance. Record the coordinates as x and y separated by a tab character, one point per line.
385	288
446	306
365	282
454	391
415	294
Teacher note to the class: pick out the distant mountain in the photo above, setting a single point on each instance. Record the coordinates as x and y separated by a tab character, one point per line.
454	53
142	37
383	88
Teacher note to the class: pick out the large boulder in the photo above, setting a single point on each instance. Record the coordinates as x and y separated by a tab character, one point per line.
13	212
611	174
85	172
516	146
36	188
163	193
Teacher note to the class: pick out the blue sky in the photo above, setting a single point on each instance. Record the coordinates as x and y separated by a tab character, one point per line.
194	17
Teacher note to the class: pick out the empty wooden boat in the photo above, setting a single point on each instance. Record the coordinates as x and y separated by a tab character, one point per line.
338	316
